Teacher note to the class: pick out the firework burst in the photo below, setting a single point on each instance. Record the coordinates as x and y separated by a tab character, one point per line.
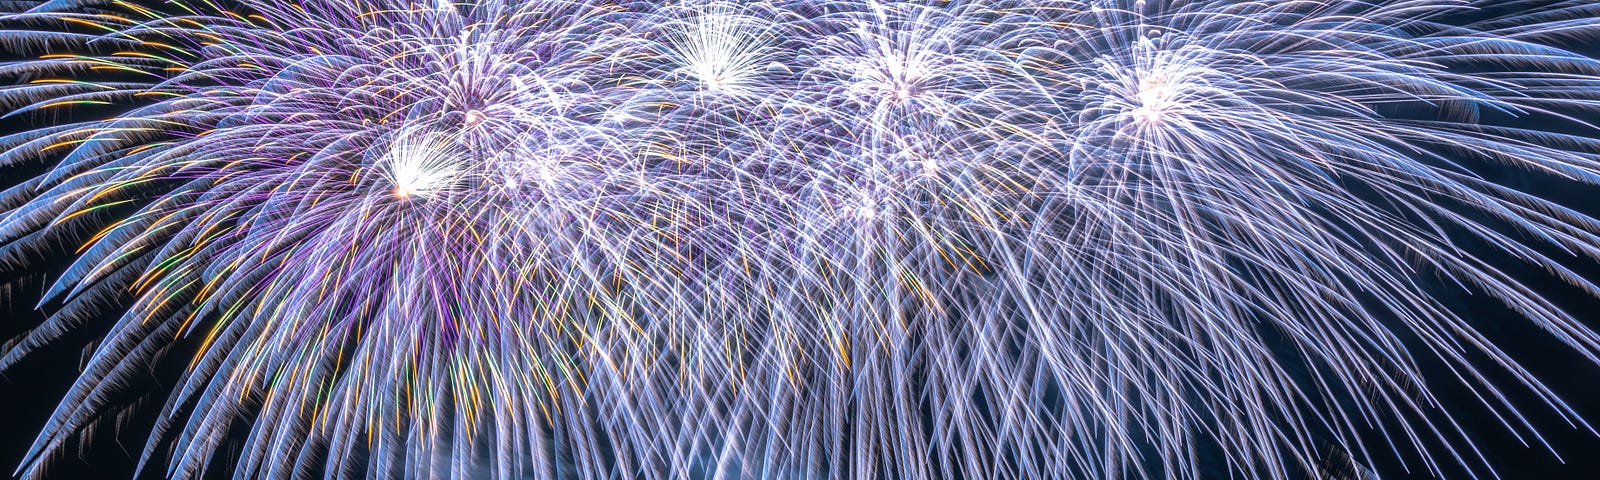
834	239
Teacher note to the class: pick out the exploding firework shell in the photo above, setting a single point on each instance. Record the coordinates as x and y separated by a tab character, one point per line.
794	239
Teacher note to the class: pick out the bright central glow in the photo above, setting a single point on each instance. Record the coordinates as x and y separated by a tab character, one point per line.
719	47
421	164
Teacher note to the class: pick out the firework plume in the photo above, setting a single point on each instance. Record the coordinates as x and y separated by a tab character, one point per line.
809	239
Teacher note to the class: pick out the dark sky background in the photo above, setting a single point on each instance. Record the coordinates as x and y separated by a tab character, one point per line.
31	390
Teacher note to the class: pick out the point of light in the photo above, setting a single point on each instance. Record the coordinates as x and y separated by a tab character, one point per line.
421	163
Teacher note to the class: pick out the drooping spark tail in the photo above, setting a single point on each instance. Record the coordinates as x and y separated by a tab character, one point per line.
822	239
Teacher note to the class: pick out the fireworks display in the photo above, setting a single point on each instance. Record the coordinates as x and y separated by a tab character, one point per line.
807	239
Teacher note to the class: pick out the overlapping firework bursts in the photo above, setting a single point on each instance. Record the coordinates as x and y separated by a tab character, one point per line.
813	239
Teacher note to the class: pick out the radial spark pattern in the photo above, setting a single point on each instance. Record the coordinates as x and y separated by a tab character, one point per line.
815	239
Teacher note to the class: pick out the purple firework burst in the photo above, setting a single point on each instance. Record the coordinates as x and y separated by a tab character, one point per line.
807	239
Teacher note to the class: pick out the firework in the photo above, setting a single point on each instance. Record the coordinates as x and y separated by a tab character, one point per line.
834	239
